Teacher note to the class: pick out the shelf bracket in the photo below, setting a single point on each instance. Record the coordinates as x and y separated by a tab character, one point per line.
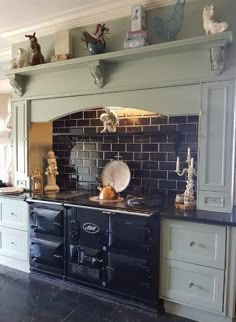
217	56
16	81
97	71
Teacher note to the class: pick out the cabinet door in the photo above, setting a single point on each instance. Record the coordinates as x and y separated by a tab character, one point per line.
14	243
216	147
195	285
20	142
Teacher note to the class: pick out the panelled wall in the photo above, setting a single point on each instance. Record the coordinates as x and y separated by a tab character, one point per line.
148	143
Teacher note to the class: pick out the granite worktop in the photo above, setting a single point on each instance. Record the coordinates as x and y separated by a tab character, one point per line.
74	198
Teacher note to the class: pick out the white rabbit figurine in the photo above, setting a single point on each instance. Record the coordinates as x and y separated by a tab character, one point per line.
210	24
21	60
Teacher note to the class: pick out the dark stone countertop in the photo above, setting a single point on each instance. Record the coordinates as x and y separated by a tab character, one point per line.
73	198
200	216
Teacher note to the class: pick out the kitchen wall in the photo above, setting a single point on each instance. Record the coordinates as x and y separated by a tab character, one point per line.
192	27
148	142
40	143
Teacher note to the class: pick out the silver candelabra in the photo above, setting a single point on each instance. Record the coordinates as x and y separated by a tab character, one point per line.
189	199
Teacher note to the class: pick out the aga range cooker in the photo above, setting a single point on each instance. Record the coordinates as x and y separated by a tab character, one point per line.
114	249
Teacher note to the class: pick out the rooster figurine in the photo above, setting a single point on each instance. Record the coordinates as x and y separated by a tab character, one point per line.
168	29
95	43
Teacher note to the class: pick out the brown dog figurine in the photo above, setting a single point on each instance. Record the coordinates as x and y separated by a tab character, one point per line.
37	56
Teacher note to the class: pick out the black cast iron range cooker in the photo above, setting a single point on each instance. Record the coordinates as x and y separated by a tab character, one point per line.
115	249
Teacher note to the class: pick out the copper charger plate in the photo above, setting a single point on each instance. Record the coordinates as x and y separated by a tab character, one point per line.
96	198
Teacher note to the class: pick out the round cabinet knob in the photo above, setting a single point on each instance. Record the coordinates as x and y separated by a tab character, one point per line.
192	243
104	248
190	284
13	243
104	284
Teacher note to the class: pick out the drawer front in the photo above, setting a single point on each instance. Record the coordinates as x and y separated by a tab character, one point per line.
14	215
192	284
14	243
194	243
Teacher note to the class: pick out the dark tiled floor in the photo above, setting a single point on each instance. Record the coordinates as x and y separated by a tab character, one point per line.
30	298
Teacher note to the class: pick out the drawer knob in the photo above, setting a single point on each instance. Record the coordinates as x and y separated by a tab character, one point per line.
192	243
190	284
13	243
12	213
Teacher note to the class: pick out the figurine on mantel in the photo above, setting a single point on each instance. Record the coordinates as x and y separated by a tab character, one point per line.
21	60
187	200
37	57
95	43
110	120
37	184
210	24
51	173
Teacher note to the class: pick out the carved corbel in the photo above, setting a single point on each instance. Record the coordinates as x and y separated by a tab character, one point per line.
96	70
16	81
217	57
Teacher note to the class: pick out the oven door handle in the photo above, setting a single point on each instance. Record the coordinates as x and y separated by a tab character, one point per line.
58	224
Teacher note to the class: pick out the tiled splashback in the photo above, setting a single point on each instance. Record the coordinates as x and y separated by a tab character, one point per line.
148	143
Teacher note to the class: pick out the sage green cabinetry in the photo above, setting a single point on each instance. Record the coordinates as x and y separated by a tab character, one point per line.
216	147
20	142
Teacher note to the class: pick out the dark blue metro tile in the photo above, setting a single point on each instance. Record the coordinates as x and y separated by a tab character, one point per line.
187	128
177	119
141	156
193	119
155	174
166	147
168	128
168	184
162	119
150	183
191	137
134	147
150	165
167	165
141	173
118	147
134	164
157	156
150	147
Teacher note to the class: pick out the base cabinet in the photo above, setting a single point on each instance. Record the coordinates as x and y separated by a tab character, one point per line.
14	236
197	270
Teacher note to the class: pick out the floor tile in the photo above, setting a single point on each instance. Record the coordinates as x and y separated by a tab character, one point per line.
33	298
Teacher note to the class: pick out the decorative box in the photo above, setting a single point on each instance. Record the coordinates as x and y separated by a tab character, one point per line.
138	18
132	43
137	34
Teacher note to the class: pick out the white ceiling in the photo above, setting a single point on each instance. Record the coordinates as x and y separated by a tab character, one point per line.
18	17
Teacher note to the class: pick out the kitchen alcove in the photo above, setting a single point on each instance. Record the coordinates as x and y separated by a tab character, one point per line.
147	141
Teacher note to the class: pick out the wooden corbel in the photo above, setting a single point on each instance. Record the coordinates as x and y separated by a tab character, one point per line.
16	81
97	70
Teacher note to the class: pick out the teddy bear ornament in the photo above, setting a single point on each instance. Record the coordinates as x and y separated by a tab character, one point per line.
210	24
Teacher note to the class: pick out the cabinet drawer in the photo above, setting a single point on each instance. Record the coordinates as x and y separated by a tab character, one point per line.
14	215
14	243
192	284
194	243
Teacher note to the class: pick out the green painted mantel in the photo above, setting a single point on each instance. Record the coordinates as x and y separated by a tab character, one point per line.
98	65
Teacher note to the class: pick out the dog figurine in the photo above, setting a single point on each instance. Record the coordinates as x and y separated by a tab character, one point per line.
21	60
210	24
37	57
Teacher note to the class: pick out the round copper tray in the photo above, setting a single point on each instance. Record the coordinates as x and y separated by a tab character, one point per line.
96	198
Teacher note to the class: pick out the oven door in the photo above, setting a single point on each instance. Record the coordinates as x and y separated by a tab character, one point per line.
129	236
131	276
47	255
87	265
45	220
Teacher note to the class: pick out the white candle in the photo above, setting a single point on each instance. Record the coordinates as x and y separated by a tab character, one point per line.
177	164
191	164
189	153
